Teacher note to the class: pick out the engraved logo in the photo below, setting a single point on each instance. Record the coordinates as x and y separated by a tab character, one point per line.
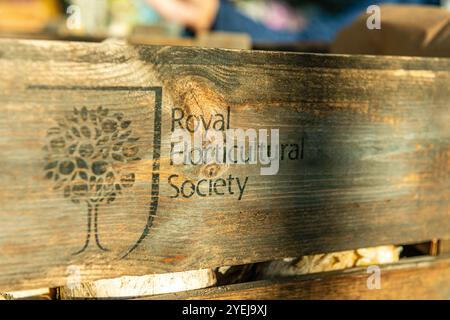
83	156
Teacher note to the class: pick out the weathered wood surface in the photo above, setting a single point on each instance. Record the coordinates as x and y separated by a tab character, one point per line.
423	278
372	167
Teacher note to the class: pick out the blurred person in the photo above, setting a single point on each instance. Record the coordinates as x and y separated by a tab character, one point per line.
319	20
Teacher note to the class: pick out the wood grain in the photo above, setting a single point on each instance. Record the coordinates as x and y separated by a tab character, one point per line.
423	278
373	167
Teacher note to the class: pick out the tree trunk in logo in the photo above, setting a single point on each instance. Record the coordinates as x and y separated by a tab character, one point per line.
83	153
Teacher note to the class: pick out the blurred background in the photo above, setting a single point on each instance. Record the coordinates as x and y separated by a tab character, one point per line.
308	25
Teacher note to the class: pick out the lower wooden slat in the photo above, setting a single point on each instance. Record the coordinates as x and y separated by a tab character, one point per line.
420	278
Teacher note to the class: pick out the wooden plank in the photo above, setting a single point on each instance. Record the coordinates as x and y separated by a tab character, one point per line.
428	248
224	40
356	38
137	286
424	278
371	168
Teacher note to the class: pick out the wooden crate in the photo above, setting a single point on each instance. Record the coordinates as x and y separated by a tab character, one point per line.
365	144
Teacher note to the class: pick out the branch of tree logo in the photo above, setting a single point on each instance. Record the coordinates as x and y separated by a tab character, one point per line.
202	140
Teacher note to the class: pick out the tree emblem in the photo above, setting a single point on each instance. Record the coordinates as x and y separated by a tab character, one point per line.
83	154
